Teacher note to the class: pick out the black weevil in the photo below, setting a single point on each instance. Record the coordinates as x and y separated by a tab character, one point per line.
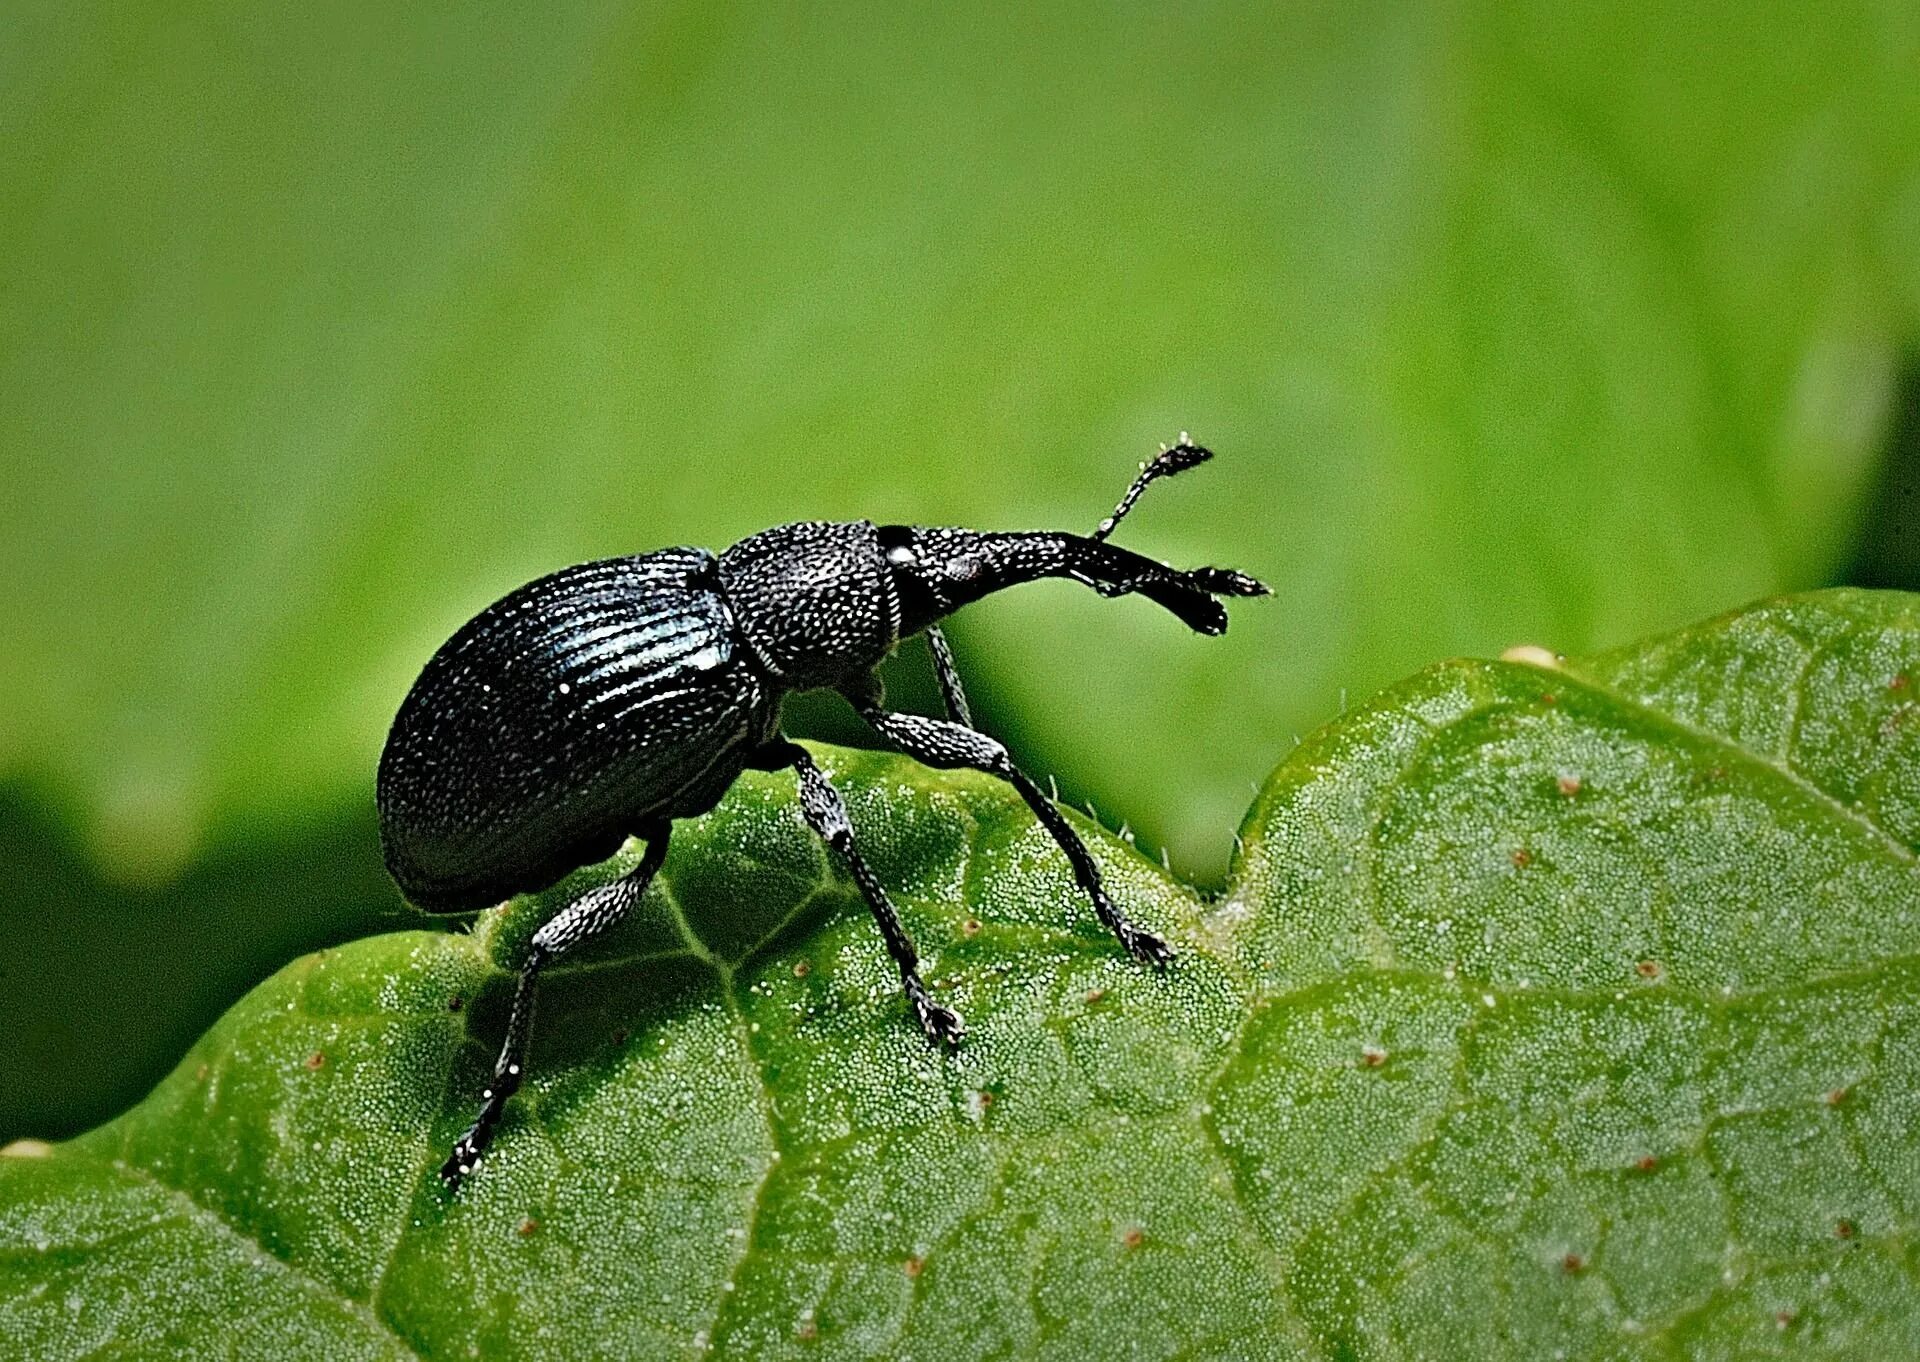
607	699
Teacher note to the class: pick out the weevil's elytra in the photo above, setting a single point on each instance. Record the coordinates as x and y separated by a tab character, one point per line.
610	698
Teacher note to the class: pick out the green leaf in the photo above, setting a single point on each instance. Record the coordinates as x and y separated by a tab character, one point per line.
1563	1010
326	325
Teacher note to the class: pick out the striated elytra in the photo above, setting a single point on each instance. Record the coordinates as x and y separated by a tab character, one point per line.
607	699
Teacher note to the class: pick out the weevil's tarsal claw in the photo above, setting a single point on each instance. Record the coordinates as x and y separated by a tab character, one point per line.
462	1161
471	1147
1144	945
942	1024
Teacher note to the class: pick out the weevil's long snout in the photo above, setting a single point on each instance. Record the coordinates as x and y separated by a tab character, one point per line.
937	570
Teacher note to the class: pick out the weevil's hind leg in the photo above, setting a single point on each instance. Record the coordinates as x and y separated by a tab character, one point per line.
949	676
826	814
946	745
586	917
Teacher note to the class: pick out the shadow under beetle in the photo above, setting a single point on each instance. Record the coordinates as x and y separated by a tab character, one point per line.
608	699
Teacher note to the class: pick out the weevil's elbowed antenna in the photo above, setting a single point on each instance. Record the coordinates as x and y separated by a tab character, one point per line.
1178	459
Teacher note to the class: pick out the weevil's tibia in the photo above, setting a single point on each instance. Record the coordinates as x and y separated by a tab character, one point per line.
586	917
945	745
949	677
826	814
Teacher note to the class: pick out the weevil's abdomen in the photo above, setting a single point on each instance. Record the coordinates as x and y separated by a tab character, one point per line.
557	720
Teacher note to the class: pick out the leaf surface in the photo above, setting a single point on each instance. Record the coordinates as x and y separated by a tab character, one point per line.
1550	1010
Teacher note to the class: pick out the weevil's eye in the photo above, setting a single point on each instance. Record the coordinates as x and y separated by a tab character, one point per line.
898	541
920	597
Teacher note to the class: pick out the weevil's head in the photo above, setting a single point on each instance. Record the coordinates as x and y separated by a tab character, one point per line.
934	570
820	602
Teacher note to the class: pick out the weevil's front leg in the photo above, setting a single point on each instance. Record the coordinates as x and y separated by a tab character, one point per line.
949	676
945	745
587	916
826	814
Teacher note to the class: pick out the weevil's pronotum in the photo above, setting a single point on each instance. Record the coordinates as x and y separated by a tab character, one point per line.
605	700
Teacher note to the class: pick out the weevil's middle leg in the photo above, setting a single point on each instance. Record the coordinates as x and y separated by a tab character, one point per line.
587	916
826	814
945	745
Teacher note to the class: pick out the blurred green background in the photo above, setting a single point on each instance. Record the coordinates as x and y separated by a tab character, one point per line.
320	328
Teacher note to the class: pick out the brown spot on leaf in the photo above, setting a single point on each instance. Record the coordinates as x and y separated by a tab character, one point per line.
806	1330
1372	1056
1573	1263
1899	681
915	1266
1134	1237
1549	699
1522	858
802	968
455	1003
1568	785
1648	969
315	1060
1094	995
1845	1229
1782	1319
526	1227
1835	1096
200	1073
1646	1163
970	927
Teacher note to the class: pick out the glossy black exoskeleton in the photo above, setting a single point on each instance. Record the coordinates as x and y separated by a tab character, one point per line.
608	699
